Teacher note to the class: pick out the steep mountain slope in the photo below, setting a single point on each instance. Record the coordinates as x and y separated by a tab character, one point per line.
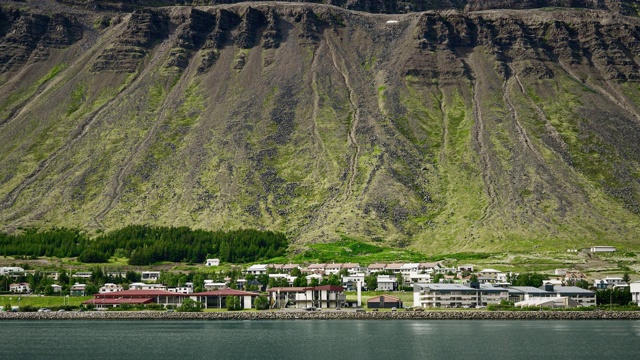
442	130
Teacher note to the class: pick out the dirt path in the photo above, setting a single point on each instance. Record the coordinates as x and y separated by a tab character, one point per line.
353	101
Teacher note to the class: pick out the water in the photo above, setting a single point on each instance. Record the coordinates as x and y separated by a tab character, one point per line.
327	340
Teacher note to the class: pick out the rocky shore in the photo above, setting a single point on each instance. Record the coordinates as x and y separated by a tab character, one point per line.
327	315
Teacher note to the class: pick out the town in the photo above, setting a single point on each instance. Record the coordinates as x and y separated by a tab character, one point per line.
325	286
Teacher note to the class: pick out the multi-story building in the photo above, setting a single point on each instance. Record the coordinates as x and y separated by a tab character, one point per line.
456	295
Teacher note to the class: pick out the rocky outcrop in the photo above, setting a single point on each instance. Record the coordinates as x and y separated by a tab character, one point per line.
27	33
192	35
224	21
143	30
252	21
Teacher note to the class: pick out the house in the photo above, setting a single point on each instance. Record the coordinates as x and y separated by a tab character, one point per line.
354	268
52	275
409	268
82	275
429	267
375	268
217	299
488	274
20	288
257	269
396	268
465	268
313	276
150	276
634	287
327	296
109	287
117	274
332	269
56	288
316	269
608	282
386	283
287	268
287	277
186	289
419	277
456	295
599	249
210	285
143	286
11	271
78	290
384	302
212	262
350	282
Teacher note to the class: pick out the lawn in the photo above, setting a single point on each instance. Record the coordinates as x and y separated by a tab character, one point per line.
41	301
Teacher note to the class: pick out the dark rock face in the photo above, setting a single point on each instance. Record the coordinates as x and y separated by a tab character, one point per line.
144	28
26	33
191	37
610	47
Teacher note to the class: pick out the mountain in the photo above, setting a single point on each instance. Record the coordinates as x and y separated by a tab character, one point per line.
485	126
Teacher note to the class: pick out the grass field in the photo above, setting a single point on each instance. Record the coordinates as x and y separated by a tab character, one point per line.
41	301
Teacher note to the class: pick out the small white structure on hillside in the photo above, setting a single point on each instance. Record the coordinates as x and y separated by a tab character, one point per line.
213	262
597	249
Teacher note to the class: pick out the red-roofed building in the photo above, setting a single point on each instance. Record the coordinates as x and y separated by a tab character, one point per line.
384	302
136	297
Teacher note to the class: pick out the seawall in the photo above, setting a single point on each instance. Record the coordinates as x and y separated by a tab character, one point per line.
326	315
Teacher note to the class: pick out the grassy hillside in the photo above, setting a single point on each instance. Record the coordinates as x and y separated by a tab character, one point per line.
442	133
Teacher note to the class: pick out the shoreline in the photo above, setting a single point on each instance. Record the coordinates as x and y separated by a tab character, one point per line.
326	315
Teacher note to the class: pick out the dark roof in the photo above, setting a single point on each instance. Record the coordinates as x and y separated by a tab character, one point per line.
387	298
225	292
137	294
329	288
119	301
289	289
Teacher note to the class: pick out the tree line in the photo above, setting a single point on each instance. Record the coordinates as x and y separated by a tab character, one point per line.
145	245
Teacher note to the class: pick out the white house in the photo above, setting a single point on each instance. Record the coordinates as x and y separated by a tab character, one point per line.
82	275
331	269
143	286
257	269
78	290
288	277
20	288
11	271
386	283
608	282
186	289
213	262
350	282
409	268
456	295
109	287
150	275
635	291
56	288
211	285
597	249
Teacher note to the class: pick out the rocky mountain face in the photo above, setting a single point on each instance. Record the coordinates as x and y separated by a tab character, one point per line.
445	130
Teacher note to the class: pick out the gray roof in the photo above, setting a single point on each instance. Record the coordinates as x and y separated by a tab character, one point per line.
572	290
526	290
444	287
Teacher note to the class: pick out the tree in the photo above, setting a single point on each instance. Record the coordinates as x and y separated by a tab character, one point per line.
233	303
437	278
626	278
262	303
473	278
300	281
190	305
371	281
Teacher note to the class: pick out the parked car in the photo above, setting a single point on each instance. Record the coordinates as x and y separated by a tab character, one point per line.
393	308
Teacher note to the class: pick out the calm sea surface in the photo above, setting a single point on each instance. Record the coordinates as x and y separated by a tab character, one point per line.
327	340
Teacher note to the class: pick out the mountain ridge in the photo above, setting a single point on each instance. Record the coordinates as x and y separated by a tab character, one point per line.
445	131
